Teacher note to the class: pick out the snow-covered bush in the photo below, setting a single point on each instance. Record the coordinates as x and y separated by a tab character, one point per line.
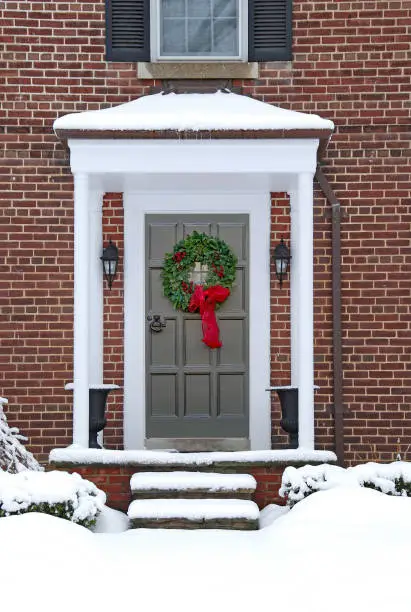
298	483
391	479
13	455
60	494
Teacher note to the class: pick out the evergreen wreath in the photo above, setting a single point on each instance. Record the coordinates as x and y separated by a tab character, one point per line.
196	248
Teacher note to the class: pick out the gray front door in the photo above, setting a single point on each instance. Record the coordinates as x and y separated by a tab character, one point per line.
194	392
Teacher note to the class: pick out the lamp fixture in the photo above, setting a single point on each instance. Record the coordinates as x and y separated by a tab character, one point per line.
281	257
110	261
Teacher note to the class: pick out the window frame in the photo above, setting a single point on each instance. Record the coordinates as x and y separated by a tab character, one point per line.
155	40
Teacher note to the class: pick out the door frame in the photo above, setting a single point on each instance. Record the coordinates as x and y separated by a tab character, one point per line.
136	206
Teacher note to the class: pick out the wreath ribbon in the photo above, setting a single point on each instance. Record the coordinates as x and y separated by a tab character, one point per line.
205	301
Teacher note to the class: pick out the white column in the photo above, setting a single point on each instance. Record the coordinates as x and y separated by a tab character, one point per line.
294	274
304	315
95	325
81	312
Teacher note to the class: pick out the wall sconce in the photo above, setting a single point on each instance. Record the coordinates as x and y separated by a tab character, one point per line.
281	257
110	261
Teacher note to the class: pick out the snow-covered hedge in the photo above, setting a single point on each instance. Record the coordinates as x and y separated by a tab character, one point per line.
14	457
60	494
392	479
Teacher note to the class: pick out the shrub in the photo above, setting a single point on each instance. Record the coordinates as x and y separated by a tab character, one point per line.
61	494
391	479
298	483
14	457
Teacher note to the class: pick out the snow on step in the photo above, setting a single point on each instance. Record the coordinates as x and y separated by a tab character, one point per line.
193	509
185	481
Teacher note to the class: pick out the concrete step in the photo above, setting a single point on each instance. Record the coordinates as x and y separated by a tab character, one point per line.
189	485
193	514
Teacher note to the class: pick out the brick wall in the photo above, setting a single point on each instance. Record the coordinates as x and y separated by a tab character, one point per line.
113	227
351	64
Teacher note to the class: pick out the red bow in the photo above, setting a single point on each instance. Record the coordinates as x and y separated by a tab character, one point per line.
205	301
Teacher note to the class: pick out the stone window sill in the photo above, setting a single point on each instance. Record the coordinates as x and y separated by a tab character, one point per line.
193	70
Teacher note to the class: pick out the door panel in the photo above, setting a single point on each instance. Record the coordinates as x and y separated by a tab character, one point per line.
161	240
230	395
232	353
193	391
162	346
195	352
163	395
197	396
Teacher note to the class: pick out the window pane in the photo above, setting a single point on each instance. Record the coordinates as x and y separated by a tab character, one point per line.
199	28
225	37
173	39
198	8
173	8
225	8
199	36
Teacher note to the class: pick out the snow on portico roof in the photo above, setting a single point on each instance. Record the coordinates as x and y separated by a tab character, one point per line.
215	112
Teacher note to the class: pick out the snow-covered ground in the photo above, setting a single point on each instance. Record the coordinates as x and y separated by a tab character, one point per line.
338	550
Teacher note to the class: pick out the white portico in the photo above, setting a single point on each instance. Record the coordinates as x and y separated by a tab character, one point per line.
198	153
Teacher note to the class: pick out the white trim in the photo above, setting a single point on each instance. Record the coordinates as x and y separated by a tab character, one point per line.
81	310
155	39
273	164
95	325
294	283
304	311
136	206
191	176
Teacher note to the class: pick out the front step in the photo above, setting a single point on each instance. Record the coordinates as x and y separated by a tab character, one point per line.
194	514
192	485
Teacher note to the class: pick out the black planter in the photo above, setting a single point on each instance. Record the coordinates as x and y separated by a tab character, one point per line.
289	411
97	414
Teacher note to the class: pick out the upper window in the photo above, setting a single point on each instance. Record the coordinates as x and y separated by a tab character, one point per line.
195	29
198	30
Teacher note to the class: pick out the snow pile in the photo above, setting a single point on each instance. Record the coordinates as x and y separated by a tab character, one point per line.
183	481
391	479
89	456
65	495
13	455
111	521
343	550
99	387
191	111
193	509
271	513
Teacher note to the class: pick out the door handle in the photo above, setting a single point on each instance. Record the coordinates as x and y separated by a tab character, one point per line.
157	322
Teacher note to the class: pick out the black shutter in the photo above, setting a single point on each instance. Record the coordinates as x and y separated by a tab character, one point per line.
270	30
128	30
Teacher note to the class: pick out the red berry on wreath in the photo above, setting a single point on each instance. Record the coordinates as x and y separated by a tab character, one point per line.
179	256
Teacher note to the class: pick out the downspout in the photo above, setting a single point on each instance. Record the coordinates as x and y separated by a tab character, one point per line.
336	301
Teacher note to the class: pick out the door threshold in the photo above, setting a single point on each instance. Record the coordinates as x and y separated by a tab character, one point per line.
195	445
